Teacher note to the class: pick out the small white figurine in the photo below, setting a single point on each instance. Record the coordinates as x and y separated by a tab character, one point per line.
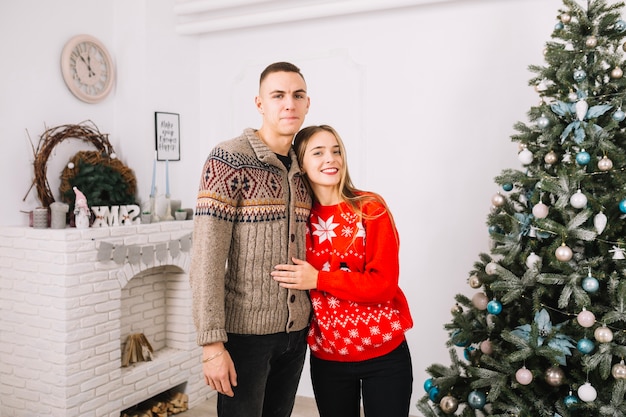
81	210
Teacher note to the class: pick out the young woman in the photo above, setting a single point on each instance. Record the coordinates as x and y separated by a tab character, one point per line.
358	348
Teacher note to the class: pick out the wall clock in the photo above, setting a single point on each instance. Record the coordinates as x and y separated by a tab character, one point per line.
87	68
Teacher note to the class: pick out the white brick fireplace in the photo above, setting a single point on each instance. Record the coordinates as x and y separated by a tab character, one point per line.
68	300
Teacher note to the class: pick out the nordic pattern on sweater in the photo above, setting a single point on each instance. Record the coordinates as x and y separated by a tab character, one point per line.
230	179
360	312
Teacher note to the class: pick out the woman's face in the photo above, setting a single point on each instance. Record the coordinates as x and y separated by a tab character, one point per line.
322	161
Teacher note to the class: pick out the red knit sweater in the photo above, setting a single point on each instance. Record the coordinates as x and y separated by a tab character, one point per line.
359	311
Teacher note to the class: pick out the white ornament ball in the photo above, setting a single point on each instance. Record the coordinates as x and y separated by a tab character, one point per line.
70	165
540	210
603	334
586	318
605	164
578	200
563	253
490	268
617	73
113	155
532	259
524	376
480	301
525	157
587	392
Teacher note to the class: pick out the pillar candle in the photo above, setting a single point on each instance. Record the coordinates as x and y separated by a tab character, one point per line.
167	177
152	189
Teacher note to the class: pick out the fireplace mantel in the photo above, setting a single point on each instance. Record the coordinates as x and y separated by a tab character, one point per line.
61	312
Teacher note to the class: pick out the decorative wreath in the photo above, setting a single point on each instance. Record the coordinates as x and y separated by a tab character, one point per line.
98	174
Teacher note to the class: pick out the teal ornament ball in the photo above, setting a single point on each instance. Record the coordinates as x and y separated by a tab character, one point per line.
428	384
622	206
558	26
619	115
620	26
590	284
494	307
507	187
433	393
585	346
476	399
570	401
583	158
579	75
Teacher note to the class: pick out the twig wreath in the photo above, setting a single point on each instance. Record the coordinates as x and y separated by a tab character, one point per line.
103	178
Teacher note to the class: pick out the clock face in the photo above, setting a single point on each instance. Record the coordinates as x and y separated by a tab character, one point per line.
87	68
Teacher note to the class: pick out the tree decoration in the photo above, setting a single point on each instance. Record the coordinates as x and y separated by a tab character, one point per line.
449	404
587	392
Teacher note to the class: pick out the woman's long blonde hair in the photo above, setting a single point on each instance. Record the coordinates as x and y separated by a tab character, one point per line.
354	197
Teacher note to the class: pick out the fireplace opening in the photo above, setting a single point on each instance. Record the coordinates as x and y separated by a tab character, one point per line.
155	303
167	403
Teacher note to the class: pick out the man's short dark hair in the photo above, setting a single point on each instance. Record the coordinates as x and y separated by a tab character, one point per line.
279	67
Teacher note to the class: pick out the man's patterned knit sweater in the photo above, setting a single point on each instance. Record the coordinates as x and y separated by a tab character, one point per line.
245	223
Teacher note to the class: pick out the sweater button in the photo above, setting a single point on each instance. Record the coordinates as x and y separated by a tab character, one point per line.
292	298
293	238
290	324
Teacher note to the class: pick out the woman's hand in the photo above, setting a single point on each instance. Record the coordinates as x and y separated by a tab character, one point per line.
299	276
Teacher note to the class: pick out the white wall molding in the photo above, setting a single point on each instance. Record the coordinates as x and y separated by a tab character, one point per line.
206	16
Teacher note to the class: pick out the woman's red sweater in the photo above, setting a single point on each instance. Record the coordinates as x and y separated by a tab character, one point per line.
360	312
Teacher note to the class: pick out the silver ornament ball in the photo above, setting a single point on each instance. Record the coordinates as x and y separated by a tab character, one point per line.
605	164
554	376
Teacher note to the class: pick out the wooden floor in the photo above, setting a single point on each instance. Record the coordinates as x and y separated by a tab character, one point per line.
305	407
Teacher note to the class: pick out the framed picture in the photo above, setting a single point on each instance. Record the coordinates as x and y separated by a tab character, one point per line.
167	136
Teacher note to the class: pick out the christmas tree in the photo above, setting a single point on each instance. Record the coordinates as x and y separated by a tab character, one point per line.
545	332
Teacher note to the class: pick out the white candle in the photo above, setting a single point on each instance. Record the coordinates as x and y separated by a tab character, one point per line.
153	188
167	177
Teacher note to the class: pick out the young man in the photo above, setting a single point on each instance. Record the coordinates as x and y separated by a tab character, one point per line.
251	214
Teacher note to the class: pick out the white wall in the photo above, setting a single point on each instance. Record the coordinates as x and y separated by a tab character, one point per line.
425	98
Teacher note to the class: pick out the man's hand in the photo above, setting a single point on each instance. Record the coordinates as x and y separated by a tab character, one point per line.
219	369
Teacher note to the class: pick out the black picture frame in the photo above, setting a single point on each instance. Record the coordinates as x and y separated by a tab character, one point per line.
167	136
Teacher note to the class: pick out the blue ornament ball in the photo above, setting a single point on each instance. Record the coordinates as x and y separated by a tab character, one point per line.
468	352
570	401
507	187
494	307
622	206
590	284
619	115
583	158
456	339
620	26
476	399
433	393
579	75
428	384
494	230
585	346
558	26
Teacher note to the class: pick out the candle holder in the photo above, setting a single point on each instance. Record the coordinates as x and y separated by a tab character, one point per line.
155	216
168	209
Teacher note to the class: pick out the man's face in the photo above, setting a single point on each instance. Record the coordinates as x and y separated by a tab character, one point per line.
283	102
